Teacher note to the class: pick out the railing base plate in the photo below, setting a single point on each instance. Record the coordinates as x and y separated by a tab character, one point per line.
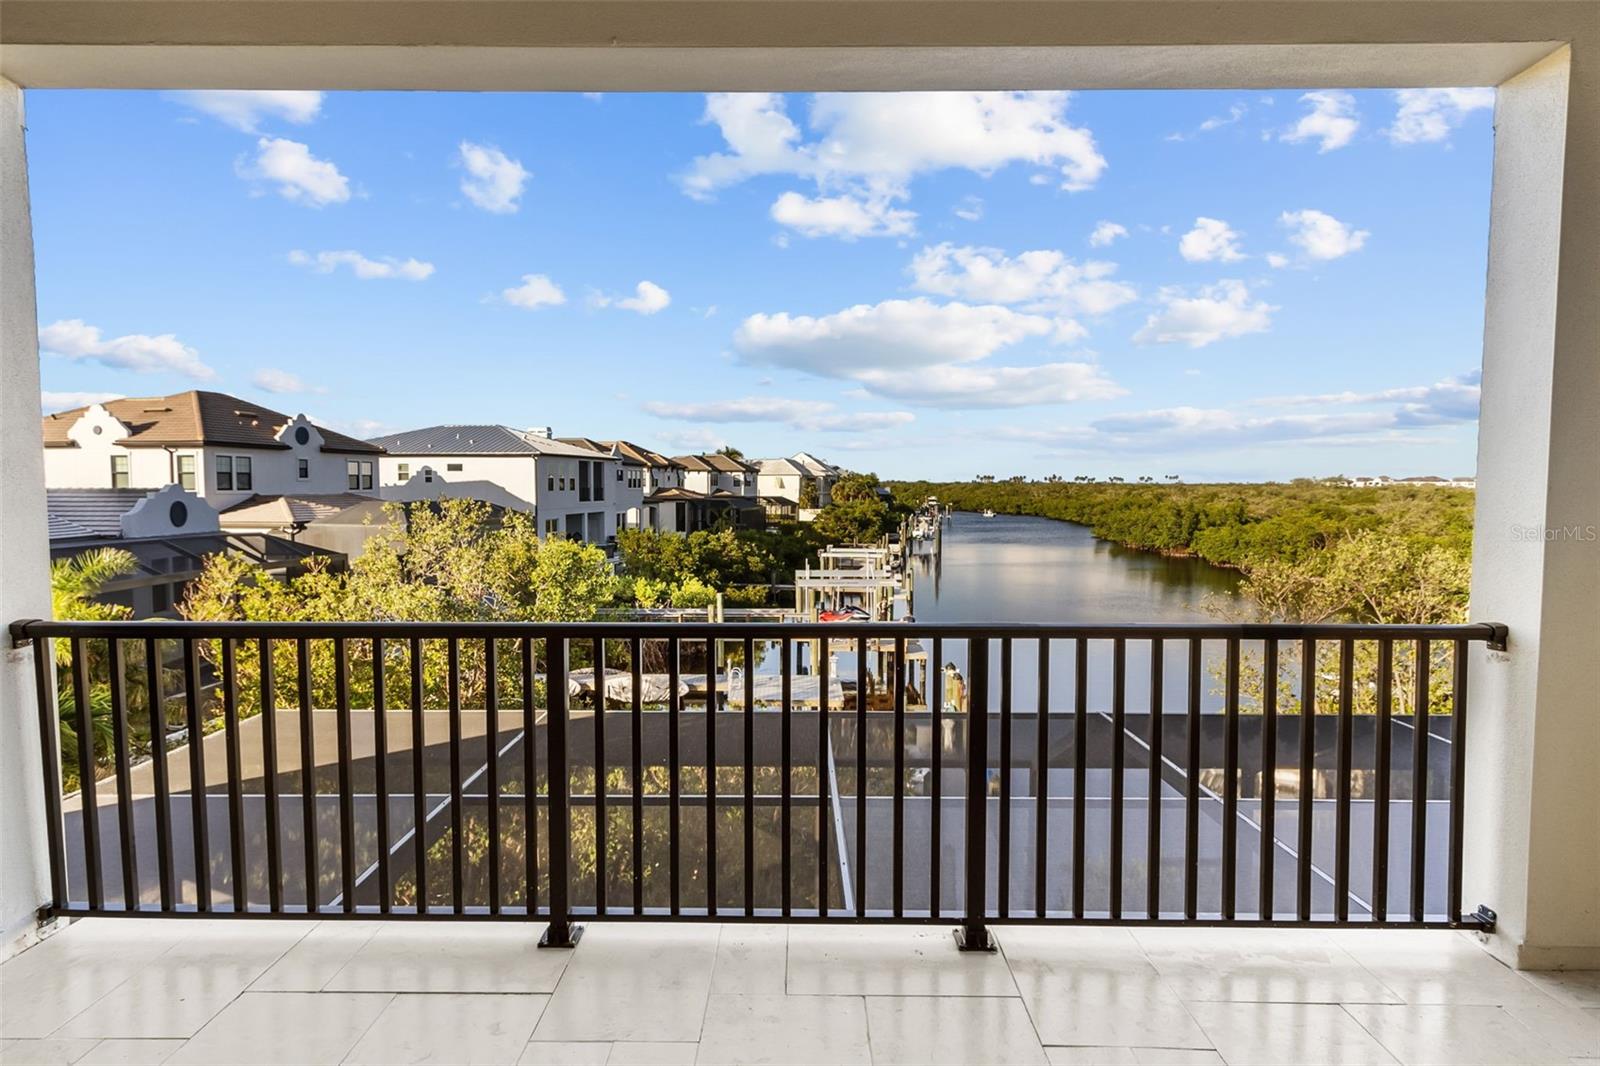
980	940
574	934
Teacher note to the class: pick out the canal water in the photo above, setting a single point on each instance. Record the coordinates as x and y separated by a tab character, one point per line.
1017	568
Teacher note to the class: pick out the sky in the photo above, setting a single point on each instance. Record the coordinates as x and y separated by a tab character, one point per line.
1217	285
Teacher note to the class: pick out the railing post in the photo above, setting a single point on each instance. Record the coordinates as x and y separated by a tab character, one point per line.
974	933
560	933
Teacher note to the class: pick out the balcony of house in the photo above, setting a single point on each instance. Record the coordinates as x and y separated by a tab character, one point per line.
876	789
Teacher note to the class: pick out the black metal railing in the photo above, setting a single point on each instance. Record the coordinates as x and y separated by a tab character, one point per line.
969	774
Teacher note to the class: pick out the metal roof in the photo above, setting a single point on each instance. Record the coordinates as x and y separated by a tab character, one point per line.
90	512
477	440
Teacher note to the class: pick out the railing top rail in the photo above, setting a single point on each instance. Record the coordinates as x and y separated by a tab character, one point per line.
1491	633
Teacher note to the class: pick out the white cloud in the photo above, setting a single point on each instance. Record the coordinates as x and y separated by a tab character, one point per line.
812	415
648	298
75	339
847	217
970	209
536	290
1320	235
244	109
1043	280
893	334
1215	122
878	142
300	176
924	353
271	379
361	266
694	439
65	401
1430	114
1331	120
1277	260
1105	233
1211	240
494	181
1454	399
1212	313
1185	430
1395	416
993	386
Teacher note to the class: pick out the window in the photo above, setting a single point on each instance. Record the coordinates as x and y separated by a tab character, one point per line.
619	473
599	481
552	526
224	473
159	600
241	473
427	474
452	466
186	472
550	482
359	473
583	481
303	469
119	471
404	471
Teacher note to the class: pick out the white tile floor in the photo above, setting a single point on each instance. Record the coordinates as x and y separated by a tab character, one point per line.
213	992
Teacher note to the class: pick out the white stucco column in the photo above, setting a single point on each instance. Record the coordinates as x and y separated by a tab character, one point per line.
24	542
1533	723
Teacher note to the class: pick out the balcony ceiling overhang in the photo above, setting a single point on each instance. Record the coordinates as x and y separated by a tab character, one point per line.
637	45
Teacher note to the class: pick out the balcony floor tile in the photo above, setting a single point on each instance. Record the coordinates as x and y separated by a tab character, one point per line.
263	1028
890	961
1439	1035
481	957
1288	1034
751	958
780	1030
30	1052
471	1030
130	1053
660	973
951	1029
565	1053
673	993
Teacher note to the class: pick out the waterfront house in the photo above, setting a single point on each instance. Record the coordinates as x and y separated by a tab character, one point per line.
628	477
565	486
169	532
223	449
819	470
724	488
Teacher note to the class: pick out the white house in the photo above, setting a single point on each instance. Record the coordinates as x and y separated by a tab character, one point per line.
714	488
630	477
824	472
225	450
169	532
568	488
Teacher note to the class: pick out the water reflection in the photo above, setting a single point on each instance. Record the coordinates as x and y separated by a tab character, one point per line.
1014	568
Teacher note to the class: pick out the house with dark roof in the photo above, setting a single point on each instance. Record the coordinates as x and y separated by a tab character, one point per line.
169	532
715	489
569	488
223	449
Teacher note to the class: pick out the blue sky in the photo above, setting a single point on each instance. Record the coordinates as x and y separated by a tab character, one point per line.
1215	284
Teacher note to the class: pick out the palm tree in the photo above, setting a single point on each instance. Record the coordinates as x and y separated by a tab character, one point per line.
74	584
